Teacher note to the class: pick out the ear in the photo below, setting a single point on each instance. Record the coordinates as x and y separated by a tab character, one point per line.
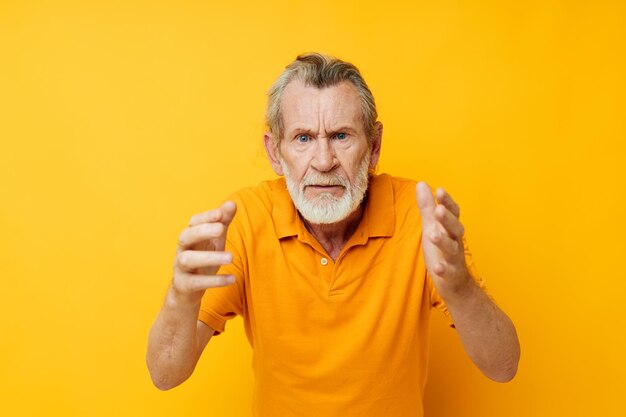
376	144
272	153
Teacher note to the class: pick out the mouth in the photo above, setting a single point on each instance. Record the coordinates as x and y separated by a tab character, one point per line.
324	192
322	188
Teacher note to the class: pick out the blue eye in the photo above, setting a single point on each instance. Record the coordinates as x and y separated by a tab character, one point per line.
303	138
341	135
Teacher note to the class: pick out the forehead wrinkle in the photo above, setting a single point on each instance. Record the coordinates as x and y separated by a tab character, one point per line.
312	109
300	110
339	118
340	109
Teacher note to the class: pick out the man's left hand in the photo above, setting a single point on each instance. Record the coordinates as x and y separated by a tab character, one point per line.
442	240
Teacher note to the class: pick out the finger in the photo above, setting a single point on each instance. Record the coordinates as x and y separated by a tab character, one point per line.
446	199
188	283
200	233
190	260
223	214
443	269
446	245
425	200
439	269
210	216
449	222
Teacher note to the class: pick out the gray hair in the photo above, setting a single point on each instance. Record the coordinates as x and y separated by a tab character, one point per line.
319	71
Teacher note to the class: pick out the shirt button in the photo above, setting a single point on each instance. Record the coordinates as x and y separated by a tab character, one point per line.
324	261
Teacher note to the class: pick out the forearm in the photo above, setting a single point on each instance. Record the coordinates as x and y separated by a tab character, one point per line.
173	348
486	332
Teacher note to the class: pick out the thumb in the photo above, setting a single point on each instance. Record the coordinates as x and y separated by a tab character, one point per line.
425	200
229	208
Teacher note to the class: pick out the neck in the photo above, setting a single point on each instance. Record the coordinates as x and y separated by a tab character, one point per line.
333	237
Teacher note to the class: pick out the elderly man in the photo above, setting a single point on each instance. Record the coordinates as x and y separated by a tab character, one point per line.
334	269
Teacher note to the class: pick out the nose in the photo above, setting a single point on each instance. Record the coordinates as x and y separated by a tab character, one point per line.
325	158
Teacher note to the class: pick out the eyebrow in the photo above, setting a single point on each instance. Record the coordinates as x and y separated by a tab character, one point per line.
306	130
345	129
301	130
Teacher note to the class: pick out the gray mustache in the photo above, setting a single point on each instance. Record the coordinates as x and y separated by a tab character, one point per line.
317	179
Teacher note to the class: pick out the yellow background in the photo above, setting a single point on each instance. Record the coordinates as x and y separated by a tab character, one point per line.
121	119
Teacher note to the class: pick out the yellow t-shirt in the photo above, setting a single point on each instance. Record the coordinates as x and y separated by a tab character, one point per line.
330	338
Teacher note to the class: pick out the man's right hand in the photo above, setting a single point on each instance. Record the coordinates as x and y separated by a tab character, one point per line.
200	253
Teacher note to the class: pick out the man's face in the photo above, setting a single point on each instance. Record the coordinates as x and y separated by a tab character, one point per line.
324	154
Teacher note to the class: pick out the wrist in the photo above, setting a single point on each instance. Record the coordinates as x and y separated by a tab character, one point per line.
183	300
457	289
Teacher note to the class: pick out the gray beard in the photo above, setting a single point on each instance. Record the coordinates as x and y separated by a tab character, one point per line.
326	208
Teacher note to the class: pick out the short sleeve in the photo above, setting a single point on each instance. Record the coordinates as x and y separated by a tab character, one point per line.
224	303
437	301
